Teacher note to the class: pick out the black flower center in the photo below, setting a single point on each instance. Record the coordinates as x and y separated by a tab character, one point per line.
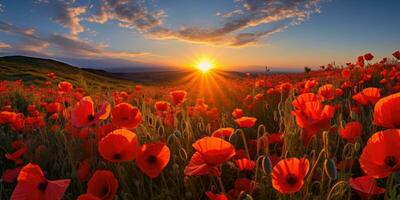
104	191
390	161
152	159
90	117
42	186
117	156
291	179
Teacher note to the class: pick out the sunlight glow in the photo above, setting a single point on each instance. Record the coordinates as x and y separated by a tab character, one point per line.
204	66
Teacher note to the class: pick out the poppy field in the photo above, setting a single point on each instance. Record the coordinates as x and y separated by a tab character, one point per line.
333	133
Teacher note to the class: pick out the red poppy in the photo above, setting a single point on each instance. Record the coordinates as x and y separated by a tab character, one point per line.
360	61
161	106
82	114
386	111
83	170
10	175
237	113
351	132
312	118
124	115
396	54
368	56
103	185
288	174
7	117
346	73
367	96
242	185
16	156
54	107
65	86
223	132
381	155
246	122
245	164
366	187
275	138
178	96
299	102
153	158
33	185
87	197
327	92
212	196
210	153
119	146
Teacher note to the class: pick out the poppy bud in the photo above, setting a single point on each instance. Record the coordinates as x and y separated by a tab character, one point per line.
330	169
266	165
233	138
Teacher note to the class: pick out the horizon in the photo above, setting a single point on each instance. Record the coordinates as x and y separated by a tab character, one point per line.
241	35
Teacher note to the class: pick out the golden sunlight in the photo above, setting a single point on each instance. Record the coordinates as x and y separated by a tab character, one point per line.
204	65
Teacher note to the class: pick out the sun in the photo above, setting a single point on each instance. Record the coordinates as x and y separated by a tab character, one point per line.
204	66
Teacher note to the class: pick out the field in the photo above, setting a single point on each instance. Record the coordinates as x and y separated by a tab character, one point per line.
69	133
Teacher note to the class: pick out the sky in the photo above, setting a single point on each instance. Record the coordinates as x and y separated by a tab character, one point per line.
237	35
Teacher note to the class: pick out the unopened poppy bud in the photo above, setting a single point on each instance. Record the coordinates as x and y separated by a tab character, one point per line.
330	169
266	165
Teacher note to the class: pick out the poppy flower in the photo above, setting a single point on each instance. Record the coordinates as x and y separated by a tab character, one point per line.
103	185
212	196
10	175
396	54
242	185
82	114
153	158
288	175
360	61
7	117
237	113
351	131
300	100
178	96
210	153
386	111
83	170
327	92
223	132
87	197
381	155
65	86
346	73
245	164
368	56
124	115
312	118
367	96
161	106
119	146
33	185
16	156
246	122
366	187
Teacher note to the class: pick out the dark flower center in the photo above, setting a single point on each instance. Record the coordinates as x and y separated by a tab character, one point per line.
104	191
152	159
291	179
90	117
117	156
391	161
42	186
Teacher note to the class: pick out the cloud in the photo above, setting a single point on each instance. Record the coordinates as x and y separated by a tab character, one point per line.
129	14
61	45
4	45
68	17
1	8
253	13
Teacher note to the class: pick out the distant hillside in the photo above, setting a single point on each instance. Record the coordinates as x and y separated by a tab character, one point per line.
34	70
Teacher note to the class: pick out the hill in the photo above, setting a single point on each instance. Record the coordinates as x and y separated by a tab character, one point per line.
34	70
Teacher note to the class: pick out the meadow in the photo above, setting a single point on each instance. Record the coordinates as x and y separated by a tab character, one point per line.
326	134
